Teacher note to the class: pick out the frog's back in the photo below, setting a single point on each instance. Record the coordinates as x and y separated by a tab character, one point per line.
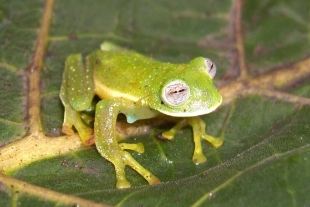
126	74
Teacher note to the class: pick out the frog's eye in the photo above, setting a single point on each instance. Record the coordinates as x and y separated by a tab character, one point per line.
175	93
211	67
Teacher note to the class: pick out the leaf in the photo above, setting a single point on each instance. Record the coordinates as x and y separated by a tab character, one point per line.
261	49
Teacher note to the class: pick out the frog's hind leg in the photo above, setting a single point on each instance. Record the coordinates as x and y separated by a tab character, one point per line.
109	148
76	94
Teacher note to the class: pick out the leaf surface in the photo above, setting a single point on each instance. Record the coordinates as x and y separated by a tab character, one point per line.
261	49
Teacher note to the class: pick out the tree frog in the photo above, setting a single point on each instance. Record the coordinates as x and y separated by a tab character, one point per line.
140	88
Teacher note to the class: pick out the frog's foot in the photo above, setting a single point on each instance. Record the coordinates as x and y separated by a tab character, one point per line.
85	133
129	160
199	126
122	158
117	155
198	156
149	177
73	118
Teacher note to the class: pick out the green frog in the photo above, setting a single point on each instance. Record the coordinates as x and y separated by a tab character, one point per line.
140	88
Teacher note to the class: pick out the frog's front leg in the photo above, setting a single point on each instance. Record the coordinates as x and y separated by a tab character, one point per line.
76	93
198	127
108	146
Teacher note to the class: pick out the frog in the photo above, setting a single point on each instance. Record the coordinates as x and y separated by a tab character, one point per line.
139	87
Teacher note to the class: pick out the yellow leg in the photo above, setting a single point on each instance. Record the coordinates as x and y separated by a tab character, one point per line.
149	177
198	127
108	146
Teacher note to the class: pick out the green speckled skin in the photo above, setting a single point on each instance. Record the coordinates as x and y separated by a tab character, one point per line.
140	79
132	84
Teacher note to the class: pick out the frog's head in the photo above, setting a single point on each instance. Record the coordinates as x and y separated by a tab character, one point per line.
189	90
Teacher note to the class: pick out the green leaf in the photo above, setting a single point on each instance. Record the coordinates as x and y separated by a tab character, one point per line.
261	49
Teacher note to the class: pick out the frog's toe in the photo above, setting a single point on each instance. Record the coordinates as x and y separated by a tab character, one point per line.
216	142
153	180
122	183
67	130
199	158
86	135
168	135
90	141
139	147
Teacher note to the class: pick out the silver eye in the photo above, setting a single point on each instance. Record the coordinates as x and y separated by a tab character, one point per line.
175	93
211	67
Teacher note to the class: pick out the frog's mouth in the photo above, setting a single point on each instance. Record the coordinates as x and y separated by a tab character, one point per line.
190	113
